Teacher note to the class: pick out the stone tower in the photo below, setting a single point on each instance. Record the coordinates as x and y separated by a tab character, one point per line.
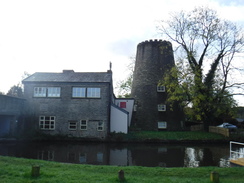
153	58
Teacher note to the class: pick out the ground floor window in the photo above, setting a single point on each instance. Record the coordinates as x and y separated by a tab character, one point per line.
47	122
83	124
162	125
100	126
72	125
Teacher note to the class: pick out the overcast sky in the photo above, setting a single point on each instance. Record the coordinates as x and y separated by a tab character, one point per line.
52	35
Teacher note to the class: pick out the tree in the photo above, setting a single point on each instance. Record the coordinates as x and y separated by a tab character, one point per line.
201	77
124	86
17	90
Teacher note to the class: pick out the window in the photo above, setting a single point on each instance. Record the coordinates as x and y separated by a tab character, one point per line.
53	91
93	92
160	88
83	124
40	92
122	105
100	157
72	125
161	107
82	158
47	122
162	125
47	92
78	92
46	155
100	126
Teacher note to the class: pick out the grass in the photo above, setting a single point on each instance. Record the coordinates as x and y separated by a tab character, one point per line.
18	170
178	135
155	136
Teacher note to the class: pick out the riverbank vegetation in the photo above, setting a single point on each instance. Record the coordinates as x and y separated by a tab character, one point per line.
142	136
18	170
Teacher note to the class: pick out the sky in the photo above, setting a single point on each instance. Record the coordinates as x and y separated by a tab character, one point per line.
55	35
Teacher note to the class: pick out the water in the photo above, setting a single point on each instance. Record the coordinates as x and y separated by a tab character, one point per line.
150	155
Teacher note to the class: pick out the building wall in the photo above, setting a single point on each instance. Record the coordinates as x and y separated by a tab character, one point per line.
126	104
153	59
11	109
66	109
119	120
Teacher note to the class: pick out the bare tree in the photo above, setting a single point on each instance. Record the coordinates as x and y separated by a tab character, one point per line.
210	46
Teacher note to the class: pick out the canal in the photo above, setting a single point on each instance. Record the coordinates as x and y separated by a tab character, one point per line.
150	155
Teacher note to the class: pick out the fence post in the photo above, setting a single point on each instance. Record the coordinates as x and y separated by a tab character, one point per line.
121	175
214	177
35	171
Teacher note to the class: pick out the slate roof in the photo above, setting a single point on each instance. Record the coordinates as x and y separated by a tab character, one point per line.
70	76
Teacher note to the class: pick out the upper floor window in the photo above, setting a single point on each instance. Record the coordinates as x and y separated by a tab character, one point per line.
53	91
122	104
160	88
78	92
93	92
47	91
161	107
40	92
47	122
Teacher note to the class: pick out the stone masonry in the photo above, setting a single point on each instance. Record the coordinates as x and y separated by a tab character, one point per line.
153	58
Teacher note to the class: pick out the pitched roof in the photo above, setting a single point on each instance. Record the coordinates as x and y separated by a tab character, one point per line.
70	76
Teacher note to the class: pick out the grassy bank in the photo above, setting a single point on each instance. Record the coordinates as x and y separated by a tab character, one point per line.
165	136
143	136
18	170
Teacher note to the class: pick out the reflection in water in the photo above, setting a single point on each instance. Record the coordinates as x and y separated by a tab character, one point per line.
193	157
238	152
151	155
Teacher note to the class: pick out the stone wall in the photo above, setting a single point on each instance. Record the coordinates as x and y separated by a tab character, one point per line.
65	109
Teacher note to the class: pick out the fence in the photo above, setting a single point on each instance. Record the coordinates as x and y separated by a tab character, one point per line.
223	131
197	127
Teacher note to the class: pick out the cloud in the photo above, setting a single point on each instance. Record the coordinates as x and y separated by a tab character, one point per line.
52	35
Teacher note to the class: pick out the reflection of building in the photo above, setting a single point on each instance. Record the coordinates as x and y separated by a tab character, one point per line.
76	104
153	59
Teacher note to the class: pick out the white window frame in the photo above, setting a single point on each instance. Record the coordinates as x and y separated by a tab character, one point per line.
93	92
40	91
82	125
100	157
160	88
78	92
82	157
161	107
162	125
100	126
72	125
47	124
53	91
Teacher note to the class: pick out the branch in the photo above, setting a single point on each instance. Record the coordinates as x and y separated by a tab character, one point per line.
234	85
